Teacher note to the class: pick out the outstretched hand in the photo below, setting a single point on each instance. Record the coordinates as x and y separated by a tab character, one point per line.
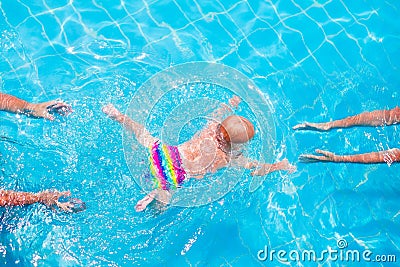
311	126
51	198
47	109
283	165
235	101
324	156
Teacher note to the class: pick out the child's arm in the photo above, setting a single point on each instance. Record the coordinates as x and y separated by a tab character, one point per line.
225	109
373	118
48	198
40	110
388	156
260	169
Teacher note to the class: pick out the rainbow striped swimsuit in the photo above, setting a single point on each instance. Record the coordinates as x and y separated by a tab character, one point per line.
166	166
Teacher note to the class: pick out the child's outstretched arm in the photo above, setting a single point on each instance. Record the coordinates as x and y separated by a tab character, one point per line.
225	109
388	156
40	110
260	169
142	134
373	118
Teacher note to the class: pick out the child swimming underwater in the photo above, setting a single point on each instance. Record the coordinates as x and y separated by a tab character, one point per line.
207	152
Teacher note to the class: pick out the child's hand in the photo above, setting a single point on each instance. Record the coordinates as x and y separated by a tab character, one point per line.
283	165
263	170
235	101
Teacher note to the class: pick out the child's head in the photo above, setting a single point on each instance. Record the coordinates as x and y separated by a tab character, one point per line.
236	129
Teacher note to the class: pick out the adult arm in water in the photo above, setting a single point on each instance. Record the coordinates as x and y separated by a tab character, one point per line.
45	110
373	118
48	198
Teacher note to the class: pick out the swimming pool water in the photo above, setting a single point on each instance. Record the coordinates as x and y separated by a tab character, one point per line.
313	60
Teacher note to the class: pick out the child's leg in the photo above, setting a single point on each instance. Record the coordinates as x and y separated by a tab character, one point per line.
161	195
142	204
142	134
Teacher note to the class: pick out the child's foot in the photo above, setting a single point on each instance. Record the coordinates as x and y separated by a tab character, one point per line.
142	204
111	111
286	166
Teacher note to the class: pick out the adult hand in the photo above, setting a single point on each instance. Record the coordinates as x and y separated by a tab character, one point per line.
47	109
312	126
324	156
50	199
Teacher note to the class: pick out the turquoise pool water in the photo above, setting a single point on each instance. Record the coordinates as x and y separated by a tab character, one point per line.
314	61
